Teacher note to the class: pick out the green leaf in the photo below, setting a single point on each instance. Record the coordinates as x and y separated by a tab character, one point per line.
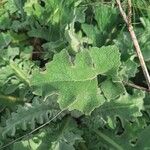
26	116
75	81
91	31
9	53
72	38
5	21
75	40
5	39
32	7
125	45
59	136
10	6
142	142
15	70
129	68
144	39
125	107
111	89
123	136
40	32
105	16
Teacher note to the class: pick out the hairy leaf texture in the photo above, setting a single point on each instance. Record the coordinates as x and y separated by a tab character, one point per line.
75	82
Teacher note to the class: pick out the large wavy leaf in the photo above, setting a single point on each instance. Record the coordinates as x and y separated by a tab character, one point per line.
76	81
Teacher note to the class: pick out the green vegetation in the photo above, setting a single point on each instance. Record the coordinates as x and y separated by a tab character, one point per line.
67	71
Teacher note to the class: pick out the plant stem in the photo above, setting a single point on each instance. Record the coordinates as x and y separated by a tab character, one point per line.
136	86
134	39
7	99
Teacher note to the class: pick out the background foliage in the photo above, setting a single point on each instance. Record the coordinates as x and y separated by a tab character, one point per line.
66	62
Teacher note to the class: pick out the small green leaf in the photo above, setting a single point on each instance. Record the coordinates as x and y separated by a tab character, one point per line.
112	89
5	39
105	16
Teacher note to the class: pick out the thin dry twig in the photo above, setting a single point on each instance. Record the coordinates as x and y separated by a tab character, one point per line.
129	12
127	20
136	86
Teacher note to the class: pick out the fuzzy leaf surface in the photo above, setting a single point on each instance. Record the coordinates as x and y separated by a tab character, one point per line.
76	81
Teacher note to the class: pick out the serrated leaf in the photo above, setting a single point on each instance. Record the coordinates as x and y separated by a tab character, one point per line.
123	136
27	116
126	106
59	136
